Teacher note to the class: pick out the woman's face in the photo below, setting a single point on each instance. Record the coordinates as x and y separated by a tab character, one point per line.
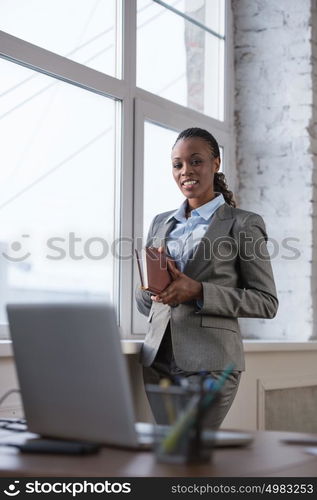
194	168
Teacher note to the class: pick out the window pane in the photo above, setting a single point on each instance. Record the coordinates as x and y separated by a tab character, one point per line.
189	61
57	189
86	32
160	190
211	13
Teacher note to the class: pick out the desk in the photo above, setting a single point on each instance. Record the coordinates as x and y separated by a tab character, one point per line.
266	456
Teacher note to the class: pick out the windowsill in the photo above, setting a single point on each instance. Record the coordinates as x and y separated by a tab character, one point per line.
5	348
278	345
130	346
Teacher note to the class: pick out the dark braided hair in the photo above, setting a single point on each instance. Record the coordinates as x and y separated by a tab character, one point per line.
220	183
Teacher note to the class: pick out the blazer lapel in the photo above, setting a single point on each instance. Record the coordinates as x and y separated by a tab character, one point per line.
162	233
219	226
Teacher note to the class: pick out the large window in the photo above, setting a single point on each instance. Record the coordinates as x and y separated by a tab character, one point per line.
88	120
57	189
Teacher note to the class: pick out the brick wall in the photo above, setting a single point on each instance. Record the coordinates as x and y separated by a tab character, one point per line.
276	136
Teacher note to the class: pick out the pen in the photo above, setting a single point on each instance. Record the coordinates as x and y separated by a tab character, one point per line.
168	401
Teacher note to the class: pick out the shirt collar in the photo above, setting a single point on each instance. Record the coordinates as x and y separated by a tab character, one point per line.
179	214
205	211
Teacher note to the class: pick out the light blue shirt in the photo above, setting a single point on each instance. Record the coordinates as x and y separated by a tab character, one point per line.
187	233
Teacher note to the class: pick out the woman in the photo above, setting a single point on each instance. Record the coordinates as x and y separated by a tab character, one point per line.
222	272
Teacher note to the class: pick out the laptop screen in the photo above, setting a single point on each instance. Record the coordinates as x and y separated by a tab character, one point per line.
72	372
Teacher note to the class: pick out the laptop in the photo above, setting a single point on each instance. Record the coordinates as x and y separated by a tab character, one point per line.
74	379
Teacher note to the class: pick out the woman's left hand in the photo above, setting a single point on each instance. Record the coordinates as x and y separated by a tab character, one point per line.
182	288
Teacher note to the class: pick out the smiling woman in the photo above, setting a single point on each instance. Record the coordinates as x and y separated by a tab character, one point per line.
196	163
222	272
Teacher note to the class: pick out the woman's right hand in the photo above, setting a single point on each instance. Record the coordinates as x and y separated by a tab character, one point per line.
182	288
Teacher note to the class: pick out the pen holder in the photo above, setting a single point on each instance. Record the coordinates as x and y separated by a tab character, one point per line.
179	434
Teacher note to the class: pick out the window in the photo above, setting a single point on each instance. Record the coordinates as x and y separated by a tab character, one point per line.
157	173
88	122
57	189
186	64
88	32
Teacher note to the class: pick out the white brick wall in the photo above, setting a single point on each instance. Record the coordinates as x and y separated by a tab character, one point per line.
276	127
313	149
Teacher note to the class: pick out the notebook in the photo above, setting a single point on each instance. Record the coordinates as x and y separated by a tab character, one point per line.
74	379
153	269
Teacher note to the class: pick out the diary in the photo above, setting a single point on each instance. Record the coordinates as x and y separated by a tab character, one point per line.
153	270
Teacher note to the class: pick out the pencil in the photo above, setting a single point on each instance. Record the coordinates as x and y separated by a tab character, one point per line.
168	400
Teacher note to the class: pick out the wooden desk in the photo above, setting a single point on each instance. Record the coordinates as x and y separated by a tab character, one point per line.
266	456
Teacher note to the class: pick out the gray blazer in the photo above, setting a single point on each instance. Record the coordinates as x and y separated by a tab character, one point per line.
232	263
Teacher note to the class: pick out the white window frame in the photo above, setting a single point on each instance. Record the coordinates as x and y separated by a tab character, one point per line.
138	106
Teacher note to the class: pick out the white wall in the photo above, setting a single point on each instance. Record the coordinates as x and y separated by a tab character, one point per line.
276	149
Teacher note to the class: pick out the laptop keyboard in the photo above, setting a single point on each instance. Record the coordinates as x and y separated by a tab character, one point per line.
13	424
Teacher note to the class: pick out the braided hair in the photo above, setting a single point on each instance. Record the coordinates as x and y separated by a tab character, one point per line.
220	183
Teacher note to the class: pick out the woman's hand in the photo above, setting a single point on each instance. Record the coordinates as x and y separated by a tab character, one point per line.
182	289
